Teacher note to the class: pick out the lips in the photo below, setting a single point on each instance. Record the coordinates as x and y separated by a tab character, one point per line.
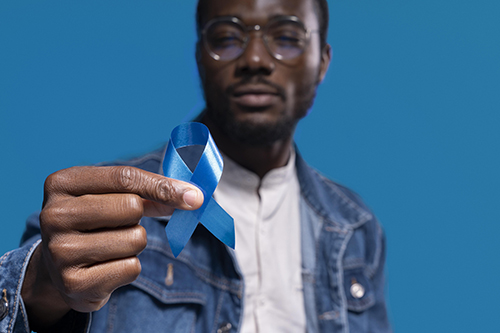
255	96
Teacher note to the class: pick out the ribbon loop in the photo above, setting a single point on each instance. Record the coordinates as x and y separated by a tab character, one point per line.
191	147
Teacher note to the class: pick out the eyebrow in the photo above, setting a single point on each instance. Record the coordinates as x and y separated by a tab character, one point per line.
273	17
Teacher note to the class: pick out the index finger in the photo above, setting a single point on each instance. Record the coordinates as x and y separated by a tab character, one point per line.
78	181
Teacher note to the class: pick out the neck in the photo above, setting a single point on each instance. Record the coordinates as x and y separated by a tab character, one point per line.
258	159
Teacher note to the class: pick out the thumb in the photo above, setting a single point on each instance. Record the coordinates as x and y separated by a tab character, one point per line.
192	197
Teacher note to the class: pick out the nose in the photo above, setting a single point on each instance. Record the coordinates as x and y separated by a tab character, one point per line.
255	58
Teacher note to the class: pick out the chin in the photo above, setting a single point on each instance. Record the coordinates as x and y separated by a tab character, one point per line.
257	127
254	129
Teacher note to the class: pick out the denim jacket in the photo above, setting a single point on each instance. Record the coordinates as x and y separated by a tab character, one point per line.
202	289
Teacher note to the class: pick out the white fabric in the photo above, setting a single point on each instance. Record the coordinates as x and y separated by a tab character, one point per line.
267	223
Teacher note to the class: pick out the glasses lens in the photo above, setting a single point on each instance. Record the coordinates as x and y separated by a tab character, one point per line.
286	39
225	40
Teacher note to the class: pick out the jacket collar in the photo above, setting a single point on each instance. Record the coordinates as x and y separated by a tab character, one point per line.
330	200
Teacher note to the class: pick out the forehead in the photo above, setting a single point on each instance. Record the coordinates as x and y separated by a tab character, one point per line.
260	11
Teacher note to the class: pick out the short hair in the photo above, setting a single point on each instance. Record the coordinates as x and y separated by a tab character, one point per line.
321	11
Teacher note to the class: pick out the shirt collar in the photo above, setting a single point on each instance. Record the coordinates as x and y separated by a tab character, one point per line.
236	175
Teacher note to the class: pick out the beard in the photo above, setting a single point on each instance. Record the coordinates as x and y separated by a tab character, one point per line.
249	132
255	133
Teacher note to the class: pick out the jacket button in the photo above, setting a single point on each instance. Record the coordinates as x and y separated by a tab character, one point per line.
169	280
4	305
357	290
224	328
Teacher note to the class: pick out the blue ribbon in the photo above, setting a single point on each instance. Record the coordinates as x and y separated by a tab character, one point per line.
194	139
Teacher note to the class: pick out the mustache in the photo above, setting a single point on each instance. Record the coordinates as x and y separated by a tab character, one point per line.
256	80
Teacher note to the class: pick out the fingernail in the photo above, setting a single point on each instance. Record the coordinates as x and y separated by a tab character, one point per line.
190	198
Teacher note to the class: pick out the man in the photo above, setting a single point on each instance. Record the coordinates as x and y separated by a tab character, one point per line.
309	255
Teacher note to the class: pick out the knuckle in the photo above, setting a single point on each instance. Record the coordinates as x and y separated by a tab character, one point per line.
132	204
126	272
59	252
53	182
127	177
76	286
59	180
48	223
139	239
132	268
51	214
72	285
166	191
54	217
45	217
84	292
123	272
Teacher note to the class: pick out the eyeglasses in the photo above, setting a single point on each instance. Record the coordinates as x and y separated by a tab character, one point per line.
226	38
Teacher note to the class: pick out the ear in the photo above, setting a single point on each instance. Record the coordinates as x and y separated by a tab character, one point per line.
326	56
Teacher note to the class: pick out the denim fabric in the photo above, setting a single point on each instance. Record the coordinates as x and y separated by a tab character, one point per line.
202	289
12	269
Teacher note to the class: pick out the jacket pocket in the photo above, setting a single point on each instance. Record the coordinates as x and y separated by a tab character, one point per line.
168	280
358	290
166	297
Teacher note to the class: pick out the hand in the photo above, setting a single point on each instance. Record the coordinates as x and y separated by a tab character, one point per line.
91	236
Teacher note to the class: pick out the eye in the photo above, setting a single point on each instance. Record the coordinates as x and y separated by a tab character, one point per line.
224	35
227	39
286	39
286	35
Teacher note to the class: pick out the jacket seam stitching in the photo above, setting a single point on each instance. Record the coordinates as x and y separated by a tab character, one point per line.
340	278
203	274
364	215
217	312
308	202
4	257
341	194
26	325
19	285
378	253
316	268
190	295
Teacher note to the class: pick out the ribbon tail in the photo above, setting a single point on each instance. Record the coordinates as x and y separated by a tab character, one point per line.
179	229
219	223
207	167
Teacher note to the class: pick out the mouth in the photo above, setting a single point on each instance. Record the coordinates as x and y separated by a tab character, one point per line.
255	96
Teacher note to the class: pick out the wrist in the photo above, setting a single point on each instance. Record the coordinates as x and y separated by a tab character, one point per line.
43	302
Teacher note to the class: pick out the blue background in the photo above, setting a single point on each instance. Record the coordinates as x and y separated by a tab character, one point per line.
408	117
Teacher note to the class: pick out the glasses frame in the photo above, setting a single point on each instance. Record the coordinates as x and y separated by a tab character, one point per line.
247	29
